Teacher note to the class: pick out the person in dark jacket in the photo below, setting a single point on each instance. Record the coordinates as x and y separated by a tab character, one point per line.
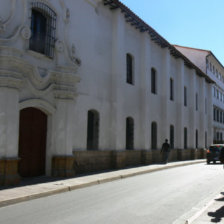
165	151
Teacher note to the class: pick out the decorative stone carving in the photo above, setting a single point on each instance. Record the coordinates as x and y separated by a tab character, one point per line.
2	25
5	22
67	14
73	57
26	32
59	46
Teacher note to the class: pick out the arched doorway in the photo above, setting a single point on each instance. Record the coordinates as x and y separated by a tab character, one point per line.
32	142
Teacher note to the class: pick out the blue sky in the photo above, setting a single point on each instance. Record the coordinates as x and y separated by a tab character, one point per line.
192	23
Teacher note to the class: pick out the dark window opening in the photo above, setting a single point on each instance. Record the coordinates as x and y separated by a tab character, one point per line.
185	96
129	63
185	138
92	130
154	135
129	133
172	137
171	90
196	101
196	139
153	81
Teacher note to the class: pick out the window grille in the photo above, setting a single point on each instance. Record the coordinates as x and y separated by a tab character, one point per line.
48	32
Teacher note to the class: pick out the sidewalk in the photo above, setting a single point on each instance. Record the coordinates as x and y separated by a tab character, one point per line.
24	193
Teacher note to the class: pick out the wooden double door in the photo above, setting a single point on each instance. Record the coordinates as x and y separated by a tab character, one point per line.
32	142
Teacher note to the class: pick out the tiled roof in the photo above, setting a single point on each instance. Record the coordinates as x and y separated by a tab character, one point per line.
140	25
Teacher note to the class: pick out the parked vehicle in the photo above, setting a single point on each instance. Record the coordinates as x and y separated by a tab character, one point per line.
214	153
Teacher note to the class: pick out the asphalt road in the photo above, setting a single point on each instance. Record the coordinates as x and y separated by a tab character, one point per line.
162	197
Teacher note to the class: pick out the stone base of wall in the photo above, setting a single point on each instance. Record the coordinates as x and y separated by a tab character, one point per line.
94	161
9	171
63	166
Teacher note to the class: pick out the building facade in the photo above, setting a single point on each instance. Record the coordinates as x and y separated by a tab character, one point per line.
210	65
89	79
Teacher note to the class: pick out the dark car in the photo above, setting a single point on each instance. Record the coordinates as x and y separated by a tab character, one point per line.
214	153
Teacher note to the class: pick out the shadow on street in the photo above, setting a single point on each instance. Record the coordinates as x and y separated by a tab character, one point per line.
218	215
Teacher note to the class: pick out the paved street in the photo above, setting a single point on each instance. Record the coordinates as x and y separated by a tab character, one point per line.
163	197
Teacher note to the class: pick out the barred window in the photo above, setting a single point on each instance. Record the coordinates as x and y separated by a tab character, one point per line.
43	29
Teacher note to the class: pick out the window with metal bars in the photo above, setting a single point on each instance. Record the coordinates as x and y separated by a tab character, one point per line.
43	29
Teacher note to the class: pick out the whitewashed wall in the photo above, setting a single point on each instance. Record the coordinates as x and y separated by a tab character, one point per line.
88	30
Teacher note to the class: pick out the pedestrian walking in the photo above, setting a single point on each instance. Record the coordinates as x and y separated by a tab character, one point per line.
165	151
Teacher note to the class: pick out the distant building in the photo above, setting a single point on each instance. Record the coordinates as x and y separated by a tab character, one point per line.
210	65
87	85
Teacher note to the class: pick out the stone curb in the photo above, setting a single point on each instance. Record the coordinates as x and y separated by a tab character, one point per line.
26	193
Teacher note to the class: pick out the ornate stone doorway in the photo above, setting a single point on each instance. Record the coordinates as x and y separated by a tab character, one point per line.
32	142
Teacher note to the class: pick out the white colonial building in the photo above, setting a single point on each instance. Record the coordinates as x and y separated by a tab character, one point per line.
90	76
210	65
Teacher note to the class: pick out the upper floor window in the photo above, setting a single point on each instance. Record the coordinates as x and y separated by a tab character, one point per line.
185	96
153	81
214	114
129	69
217	115
43	26
207	63
171	90
196	101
